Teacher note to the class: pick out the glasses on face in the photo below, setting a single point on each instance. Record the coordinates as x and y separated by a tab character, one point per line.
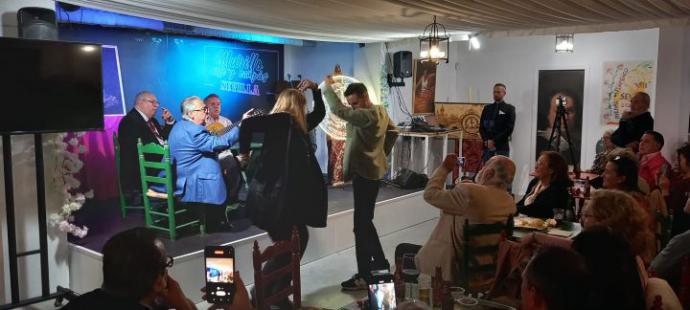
205	110
152	101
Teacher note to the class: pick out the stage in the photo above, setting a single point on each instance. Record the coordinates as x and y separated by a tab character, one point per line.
396	209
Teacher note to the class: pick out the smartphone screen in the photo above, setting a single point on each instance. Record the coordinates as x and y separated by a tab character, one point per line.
220	274
382	293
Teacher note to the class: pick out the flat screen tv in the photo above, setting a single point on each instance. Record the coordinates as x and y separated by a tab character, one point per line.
50	86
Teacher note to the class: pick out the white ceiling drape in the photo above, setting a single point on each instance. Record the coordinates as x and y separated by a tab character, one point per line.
388	20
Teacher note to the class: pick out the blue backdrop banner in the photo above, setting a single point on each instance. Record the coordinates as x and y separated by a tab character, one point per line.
175	67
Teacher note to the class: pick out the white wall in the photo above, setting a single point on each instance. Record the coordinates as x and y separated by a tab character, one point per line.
315	61
673	87
25	195
515	61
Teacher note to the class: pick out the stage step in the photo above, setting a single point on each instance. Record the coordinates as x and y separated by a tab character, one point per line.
391	215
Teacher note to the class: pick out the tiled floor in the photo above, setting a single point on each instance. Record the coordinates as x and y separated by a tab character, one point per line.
321	279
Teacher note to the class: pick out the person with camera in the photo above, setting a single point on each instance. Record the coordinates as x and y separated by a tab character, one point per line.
135	276
485	202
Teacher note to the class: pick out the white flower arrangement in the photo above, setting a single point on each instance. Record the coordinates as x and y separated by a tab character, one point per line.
67	165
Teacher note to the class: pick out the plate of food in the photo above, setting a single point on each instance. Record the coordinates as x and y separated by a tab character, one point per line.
525	222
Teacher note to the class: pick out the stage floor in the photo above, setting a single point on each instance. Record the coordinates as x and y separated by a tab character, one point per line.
104	220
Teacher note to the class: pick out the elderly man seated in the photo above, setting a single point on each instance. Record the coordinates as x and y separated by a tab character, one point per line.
485	202
194	150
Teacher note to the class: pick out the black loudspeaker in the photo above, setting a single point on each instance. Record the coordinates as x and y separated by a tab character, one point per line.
37	23
402	64
409	179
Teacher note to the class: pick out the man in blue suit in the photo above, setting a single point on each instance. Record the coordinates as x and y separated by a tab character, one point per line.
194	151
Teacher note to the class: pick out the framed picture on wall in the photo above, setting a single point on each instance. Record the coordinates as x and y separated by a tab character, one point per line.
568	85
424	91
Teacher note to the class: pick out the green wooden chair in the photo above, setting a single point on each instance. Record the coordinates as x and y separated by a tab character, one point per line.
480	250
123	202
160	210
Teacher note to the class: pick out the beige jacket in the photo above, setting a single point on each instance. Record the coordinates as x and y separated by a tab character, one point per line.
370	138
479	204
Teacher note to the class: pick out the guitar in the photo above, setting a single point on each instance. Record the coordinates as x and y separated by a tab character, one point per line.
218	129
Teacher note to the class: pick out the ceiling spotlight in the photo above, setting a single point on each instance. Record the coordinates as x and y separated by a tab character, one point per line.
565	43
88	48
474	42
434	43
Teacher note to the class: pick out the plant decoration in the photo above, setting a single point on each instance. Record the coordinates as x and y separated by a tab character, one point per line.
67	148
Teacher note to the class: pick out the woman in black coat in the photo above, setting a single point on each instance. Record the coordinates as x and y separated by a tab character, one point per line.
287	189
549	188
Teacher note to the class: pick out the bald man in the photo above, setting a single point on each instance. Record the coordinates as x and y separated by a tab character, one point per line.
484	202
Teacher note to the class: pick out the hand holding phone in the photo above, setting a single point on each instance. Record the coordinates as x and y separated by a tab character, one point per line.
220	274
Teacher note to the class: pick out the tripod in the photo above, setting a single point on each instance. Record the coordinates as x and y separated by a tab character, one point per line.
556	133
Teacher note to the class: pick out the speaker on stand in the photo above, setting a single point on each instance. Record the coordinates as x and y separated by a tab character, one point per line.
37	23
402	64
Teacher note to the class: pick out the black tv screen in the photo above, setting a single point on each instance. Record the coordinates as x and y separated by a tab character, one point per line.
50	86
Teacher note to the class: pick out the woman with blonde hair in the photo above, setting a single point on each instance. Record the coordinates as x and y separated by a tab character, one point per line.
287	188
621	213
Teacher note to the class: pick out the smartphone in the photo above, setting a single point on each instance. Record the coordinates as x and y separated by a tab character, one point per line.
461	161
219	266
382	292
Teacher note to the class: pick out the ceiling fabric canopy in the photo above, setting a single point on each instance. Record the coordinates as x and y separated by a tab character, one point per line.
389	20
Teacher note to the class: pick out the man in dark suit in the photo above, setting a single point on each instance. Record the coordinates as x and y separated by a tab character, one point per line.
139	123
496	126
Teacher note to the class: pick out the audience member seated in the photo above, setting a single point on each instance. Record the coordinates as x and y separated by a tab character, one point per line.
135	276
194	151
549	188
621	213
555	279
616	280
652	163
140	123
679	192
487	201
634	123
602	157
621	173
666	264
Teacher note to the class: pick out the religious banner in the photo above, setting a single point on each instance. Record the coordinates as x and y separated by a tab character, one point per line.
464	116
424	87
620	83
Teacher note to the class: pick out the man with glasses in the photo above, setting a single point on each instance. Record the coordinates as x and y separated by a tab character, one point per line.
194	151
140	123
135	276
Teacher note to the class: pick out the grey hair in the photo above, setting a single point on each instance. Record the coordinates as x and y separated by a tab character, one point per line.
141	94
189	104
501	178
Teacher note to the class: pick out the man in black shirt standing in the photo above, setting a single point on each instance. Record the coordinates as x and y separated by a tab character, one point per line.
634	123
496	126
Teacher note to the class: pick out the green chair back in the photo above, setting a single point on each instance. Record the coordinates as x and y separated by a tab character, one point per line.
164	218
480	249
123	202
